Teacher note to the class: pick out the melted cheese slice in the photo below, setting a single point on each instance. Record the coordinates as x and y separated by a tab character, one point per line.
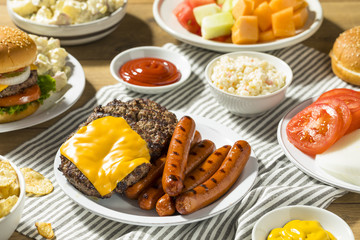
106	151
2	87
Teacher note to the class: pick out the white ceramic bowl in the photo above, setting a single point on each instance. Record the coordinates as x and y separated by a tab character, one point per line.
280	216
71	34
177	59
9	223
250	106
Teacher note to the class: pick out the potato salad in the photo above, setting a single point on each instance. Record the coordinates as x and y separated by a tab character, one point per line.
246	76
64	12
51	60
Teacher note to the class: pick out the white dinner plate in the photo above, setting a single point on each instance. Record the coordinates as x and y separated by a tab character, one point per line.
124	210
303	161
57	103
162	10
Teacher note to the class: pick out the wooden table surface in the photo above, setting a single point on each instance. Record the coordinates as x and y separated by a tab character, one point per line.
138	28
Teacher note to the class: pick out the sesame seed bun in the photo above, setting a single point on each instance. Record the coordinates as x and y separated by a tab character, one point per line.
17	49
345	56
5	118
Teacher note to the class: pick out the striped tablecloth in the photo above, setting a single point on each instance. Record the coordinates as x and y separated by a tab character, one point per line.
279	182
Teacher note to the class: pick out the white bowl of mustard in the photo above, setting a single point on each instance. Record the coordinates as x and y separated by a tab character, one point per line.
278	217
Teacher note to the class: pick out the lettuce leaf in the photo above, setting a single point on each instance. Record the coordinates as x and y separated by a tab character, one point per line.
47	85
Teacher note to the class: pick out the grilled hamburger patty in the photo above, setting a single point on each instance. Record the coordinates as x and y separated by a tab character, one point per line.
154	123
15	89
82	183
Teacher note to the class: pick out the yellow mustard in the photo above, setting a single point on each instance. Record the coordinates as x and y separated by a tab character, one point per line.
106	151
300	230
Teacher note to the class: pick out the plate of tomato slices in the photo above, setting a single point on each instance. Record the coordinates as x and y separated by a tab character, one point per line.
314	125
164	16
57	103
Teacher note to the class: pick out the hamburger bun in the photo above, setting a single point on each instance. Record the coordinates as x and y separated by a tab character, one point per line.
5	117
17	49
345	56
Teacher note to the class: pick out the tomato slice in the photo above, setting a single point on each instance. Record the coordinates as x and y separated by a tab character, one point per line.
342	109
340	91
352	100
28	95
314	129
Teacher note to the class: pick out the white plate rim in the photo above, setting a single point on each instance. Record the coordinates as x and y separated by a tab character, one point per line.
57	103
197	41
300	159
242	186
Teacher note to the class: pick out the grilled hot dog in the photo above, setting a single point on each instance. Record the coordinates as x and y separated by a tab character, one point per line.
148	198
177	156
219	183
166	205
206	169
198	154
154	173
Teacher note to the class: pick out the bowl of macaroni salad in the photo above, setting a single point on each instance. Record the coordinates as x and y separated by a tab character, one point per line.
248	83
72	21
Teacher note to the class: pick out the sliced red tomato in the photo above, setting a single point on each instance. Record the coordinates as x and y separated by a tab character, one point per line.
28	95
340	91
196	3
353	103
185	16
314	129
343	111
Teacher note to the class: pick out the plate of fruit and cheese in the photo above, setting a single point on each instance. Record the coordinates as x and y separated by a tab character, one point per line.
220	29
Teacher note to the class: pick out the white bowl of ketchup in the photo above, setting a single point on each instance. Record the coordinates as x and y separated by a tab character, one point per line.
150	70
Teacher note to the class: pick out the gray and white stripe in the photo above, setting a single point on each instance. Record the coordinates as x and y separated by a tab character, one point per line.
279	182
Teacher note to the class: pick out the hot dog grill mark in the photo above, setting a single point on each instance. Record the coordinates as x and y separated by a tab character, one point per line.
173	178
204	186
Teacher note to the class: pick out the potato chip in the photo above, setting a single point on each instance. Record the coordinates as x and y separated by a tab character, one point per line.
36	183
45	229
12	189
7	174
7	204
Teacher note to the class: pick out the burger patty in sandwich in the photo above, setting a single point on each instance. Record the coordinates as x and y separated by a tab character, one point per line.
15	89
154	123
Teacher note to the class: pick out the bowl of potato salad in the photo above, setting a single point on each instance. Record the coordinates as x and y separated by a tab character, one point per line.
72	21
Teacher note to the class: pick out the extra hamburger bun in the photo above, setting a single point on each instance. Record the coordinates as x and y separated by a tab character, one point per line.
345	56
5	117
17	49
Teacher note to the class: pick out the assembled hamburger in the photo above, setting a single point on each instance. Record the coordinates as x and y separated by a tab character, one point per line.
21	90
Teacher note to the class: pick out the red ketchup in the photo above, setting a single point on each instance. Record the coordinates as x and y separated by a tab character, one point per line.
151	72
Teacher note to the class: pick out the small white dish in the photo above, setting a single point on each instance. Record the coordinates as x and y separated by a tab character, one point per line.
304	162
278	217
57	103
177	59
163	14
125	210
250	106
71	34
9	223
